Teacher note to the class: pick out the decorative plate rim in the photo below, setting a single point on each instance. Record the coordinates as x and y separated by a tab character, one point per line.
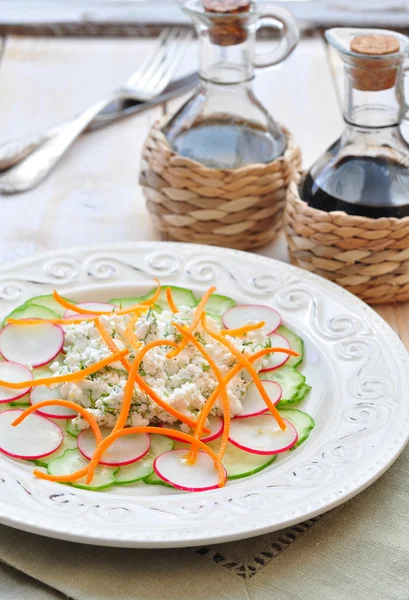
189	532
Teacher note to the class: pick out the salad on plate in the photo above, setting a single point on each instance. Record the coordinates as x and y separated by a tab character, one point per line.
165	388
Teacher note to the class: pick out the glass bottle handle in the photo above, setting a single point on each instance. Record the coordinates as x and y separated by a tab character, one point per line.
402	96
270	14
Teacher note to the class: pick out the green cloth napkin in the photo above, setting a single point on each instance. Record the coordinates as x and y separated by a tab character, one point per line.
359	551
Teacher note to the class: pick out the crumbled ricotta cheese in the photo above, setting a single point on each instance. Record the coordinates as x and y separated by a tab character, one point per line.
184	382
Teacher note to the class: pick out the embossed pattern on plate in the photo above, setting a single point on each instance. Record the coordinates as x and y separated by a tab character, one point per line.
357	366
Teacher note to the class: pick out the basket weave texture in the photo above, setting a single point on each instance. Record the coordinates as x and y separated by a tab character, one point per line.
368	257
238	208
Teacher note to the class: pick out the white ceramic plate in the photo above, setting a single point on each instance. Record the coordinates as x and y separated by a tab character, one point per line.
358	368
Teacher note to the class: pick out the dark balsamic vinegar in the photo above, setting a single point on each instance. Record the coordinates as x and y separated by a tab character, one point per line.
360	185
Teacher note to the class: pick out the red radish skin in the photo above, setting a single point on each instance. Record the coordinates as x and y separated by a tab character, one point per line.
87	447
278	392
278	341
202	459
37	394
256	312
90	305
7	395
215	431
6	349
8	416
292	436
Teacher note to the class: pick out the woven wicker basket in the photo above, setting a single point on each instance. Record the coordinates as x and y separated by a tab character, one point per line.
368	257
238	208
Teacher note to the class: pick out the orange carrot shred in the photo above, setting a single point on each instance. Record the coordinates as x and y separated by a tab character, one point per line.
134	377
62	478
170	300
247	365
223	392
68	404
111	344
232	373
124	311
158	430
130	334
198	313
244	329
68	377
68	321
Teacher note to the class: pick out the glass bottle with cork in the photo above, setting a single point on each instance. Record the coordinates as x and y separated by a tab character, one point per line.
366	171
223	125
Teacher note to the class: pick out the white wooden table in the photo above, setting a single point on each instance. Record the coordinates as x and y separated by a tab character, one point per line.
93	195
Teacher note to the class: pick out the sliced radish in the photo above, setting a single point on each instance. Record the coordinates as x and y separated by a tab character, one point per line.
253	403
173	468
215	424
124	451
35	345
43	392
14	373
98	306
34	438
239	315
262	435
278	358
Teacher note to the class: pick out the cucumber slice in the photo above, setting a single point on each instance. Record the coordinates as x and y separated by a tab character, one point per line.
71	430
21	402
303	423
291	381
181	297
296	344
48	302
153	479
72	460
144	468
239	463
217	304
69	443
31	311
135	472
216	318
301	393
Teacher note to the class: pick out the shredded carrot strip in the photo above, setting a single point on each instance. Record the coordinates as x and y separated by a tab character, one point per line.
223	392
62	478
68	404
111	344
36	321
130	334
232	373
170	300
123	311
244	329
134	377
84	413
198	313
161	431
69	376
247	365
78	309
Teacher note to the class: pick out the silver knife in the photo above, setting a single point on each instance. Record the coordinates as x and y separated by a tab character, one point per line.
14	151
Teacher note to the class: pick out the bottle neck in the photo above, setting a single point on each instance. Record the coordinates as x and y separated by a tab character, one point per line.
226	65
373	109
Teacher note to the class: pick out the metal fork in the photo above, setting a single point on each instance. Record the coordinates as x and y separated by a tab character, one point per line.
147	82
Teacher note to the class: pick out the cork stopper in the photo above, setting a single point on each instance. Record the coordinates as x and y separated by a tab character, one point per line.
374	75
228	30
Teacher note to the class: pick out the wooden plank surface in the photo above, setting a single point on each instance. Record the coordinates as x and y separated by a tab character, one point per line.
93	196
